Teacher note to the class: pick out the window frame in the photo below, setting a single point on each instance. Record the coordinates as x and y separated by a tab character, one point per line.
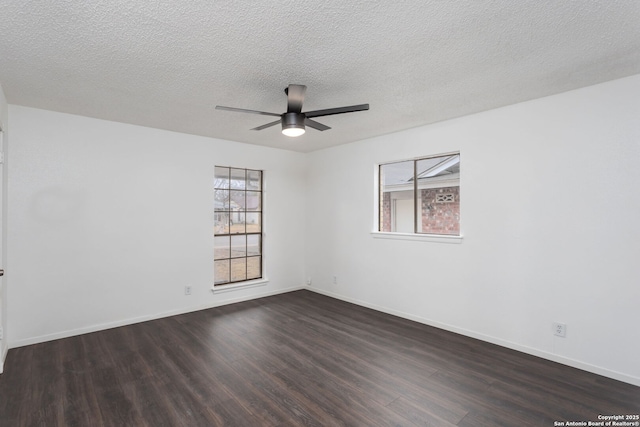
245	282
412	236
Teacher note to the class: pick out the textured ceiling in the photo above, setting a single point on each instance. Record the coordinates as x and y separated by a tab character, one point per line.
167	64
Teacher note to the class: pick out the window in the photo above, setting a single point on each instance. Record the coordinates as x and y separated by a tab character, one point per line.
420	196
238	225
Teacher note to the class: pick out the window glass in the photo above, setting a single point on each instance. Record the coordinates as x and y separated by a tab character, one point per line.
420	196
237	225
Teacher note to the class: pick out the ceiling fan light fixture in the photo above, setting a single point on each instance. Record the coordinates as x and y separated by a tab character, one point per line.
293	132
293	124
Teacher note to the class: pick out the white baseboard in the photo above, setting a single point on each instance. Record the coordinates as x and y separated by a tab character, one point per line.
493	340
131	321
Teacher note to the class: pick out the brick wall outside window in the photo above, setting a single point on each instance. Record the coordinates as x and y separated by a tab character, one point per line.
385	212
437	217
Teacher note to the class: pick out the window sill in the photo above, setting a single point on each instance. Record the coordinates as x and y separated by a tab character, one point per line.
418	237
240	285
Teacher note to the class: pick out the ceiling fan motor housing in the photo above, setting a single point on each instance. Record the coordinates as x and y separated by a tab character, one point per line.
292	120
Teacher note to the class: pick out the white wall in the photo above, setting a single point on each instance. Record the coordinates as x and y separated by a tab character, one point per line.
109	222
550	217
4	120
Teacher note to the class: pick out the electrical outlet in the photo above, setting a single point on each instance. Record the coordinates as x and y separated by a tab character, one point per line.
187	290
1	335
559	329
335	280
308	281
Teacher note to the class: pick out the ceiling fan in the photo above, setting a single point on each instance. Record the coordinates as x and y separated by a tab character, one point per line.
294	120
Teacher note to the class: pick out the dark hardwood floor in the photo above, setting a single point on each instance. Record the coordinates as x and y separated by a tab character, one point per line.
295	359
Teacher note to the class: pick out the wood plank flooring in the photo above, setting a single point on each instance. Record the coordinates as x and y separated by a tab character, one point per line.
296	359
